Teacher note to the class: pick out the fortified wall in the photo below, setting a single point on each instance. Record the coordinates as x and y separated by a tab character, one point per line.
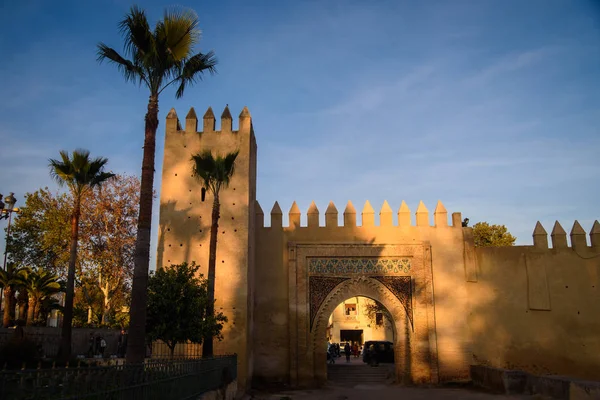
536	308
531	307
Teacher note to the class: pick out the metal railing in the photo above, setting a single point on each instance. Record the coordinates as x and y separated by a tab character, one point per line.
155	379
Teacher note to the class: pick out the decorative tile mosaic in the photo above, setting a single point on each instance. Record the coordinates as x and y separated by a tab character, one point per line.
358	265
400	286
319	288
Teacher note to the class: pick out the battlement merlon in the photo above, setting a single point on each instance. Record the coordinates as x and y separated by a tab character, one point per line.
209	122
422	219
559	237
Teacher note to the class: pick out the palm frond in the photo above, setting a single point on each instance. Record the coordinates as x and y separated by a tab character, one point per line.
161	56
179	31
130	71
193	69
139	41
78	171
214	173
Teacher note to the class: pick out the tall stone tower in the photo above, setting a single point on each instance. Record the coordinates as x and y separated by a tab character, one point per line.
185	221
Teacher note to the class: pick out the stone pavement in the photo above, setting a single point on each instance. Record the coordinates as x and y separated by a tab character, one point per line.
382	392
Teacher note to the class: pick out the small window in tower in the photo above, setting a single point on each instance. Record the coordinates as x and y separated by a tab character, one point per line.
203	193
379	318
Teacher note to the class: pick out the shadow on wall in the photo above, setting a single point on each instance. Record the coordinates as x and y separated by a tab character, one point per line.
189	230
283	284
536	309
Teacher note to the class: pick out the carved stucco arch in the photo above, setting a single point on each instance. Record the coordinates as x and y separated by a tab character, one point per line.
373	289
359	286
415	348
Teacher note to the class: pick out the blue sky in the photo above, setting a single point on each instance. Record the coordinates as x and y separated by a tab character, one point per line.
492	107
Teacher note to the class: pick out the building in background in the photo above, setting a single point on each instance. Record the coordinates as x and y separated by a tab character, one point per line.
358	319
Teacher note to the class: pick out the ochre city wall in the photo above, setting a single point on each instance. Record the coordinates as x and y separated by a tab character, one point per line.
273	350
185	221
538	309
528	307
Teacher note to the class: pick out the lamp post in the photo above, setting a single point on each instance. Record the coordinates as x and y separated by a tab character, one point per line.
6	209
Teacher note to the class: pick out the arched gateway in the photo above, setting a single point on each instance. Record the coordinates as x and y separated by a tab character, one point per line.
397	276
278	284
452	305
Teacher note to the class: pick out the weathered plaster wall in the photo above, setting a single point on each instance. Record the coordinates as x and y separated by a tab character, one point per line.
526	307
538	309
273	327
185	221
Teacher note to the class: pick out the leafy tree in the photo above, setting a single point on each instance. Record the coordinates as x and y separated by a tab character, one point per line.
110	230
81	174
39	236
214	174
487	235
178	307
157	59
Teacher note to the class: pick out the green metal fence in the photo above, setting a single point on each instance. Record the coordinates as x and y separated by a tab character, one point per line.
155	379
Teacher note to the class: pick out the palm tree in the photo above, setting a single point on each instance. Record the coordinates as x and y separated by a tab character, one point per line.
214	174
9	281
40	285
81	174
157	59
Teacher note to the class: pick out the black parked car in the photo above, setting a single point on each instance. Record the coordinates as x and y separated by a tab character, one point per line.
378	351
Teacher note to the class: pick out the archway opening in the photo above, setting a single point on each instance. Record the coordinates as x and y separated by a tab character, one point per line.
360	334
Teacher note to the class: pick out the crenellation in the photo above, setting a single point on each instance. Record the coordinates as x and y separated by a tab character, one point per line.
172	121
404	215
559	237
440	215
595	236
245	121
422	215
208	121
578	239
350	215
191	121
368	215
276	216
226	121
260	215
312	216
294	216
386	215
331	216
540	237
457	220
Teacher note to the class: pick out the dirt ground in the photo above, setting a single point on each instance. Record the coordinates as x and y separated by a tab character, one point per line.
381	392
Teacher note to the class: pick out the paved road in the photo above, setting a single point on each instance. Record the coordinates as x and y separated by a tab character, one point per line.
382	392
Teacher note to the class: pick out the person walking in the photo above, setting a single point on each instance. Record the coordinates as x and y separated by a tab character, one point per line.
347	352
331	354
122	347
355	350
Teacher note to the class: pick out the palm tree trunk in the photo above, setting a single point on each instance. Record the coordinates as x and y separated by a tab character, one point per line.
64	352
8	306
12	305
31	312
23	304
207	345
136	344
